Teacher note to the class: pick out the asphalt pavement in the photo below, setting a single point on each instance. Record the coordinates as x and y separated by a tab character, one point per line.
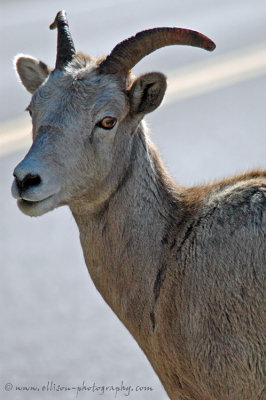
56	329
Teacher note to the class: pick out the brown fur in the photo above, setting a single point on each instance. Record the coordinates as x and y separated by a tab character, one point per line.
183	268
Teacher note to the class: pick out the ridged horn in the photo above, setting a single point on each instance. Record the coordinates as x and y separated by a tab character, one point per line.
129	52
65	46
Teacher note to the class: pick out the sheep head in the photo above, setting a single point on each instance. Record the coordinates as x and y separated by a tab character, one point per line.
85	114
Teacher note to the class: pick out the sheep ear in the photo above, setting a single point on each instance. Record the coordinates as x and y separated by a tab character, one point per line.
31	71
146	93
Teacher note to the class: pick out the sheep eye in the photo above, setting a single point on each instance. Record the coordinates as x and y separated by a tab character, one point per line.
107	123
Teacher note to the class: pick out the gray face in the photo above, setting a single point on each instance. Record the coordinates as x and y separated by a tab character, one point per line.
83	123
76	117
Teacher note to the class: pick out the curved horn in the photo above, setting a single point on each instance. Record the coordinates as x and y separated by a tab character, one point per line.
129	52
65	45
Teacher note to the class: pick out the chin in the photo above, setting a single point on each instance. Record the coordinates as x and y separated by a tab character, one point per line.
38	208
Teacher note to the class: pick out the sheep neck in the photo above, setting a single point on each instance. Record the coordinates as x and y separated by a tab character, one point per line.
122	242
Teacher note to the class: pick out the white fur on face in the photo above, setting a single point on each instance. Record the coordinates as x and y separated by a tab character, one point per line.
70	153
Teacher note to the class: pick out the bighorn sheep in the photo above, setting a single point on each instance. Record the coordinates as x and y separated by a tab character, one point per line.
181	267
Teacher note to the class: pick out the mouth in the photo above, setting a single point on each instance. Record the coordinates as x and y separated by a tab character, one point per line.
37	208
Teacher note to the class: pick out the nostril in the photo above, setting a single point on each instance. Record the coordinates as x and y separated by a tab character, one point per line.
28	181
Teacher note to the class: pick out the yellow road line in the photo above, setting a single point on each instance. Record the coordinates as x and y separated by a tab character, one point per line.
200	78
220	72
15	135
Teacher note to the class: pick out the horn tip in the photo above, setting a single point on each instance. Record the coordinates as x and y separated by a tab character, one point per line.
59	16
211	46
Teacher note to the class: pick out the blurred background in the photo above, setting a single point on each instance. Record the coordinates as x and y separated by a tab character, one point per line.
55	325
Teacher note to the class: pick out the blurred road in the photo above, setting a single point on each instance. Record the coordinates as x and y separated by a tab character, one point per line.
55	326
